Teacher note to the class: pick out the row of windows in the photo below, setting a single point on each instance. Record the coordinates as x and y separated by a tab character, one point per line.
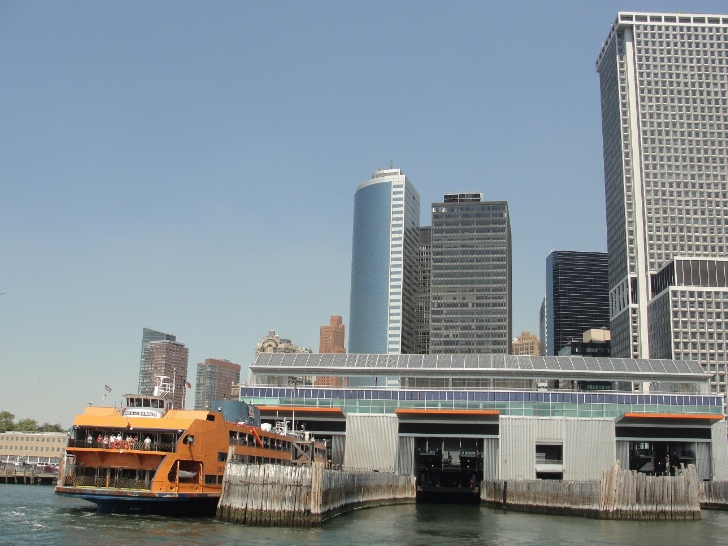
30	448
499	396
18	438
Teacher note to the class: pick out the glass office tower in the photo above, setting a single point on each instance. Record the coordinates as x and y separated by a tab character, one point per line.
663	80
384	265
470	283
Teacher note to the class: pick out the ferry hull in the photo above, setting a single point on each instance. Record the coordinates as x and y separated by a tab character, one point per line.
146	502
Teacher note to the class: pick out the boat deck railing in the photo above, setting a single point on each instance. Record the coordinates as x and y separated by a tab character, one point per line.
166	447
104	482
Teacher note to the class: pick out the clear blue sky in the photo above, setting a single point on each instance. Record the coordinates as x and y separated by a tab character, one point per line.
191	166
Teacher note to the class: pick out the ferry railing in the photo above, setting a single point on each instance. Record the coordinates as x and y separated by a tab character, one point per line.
103	482
167	447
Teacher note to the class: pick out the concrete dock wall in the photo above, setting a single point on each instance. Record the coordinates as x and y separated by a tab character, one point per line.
620	494
302	496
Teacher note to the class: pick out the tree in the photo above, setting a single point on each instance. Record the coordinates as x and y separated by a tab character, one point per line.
27	425
7	421
47	427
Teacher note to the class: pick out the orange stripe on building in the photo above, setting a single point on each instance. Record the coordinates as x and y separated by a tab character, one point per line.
703	416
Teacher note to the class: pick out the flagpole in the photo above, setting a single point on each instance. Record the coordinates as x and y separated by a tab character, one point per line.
293	424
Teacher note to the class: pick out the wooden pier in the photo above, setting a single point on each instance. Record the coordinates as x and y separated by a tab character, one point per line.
621	494
304	496
714	495
28	475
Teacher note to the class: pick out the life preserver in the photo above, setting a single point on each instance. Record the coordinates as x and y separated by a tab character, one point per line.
117	444
127	444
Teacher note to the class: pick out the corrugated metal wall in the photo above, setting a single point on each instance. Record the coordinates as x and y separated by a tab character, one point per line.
338	448
588	445
406	456
490	458
371	442
719	452
702	460
623	453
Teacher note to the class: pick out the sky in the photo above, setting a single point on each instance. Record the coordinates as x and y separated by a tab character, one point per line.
191	166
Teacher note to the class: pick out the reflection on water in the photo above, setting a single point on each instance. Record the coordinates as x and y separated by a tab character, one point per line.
35	515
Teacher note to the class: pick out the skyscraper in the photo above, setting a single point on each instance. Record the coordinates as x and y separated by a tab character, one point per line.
214	381
331	337
167	361
384	265
146	378
331	340
470	283
577	296
422	342
664	116
543	327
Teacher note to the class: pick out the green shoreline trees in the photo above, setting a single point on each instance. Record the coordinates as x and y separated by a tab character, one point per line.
7	423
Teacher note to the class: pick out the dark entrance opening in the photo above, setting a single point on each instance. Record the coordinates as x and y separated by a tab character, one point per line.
660	458
449	470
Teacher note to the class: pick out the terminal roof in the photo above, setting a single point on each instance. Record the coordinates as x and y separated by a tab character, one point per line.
492	365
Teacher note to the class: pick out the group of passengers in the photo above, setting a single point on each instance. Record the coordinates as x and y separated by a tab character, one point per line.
118	442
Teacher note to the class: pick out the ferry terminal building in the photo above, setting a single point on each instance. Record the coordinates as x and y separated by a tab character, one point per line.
498	416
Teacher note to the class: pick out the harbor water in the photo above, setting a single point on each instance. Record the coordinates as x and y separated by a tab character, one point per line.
36	515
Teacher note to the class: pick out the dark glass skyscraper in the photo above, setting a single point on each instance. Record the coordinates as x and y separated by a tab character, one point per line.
577	296
470	284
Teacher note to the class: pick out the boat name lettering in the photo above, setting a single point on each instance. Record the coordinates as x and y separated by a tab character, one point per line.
137	412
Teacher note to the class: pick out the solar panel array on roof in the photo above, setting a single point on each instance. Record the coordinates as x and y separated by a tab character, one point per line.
477	363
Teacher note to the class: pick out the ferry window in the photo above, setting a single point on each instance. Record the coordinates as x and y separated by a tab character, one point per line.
211	480
188	472
221	456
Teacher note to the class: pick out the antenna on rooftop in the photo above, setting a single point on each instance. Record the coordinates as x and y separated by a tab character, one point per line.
391	163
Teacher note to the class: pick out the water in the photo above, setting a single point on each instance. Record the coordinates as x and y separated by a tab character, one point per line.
35	515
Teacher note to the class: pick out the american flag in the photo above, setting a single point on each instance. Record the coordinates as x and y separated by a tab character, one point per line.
108	389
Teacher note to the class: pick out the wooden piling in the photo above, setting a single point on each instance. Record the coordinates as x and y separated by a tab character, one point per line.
620	494
302	496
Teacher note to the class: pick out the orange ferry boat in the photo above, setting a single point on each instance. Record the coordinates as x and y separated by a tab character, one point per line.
148	457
